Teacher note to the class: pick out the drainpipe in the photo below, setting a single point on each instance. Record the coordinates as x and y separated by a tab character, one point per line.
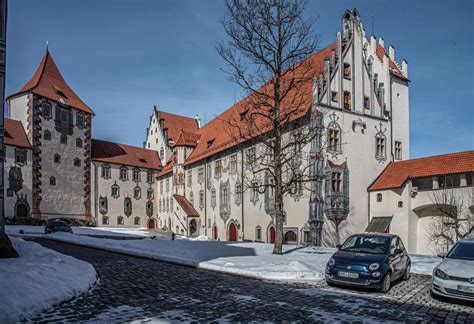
242	193
391	122
368	206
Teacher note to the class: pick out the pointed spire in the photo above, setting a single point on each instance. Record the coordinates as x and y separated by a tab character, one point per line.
47	44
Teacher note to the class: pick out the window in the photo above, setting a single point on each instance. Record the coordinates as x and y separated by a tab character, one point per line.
105	171
123	173
290	236
57	158
162	154
105	220
347	100
127	206
218	168
238	193
398	150
120	220
149	193
159	206
336	181
190	177
63	120
167	204
258	233
20	155
78	142
46	109
334	137
201	199
47	135
137	193
233	163
380	147
80	119
213	197
115	190
254	192
77	162
63	139
347	71
167	184
161	186
379	197
270	188
52	181
334	96
191	198
103	205
136	220
136	175
366	103
150	176
251	156
209	171
201	174
400	204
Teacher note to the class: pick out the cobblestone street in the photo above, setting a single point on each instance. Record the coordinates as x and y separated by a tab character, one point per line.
138	289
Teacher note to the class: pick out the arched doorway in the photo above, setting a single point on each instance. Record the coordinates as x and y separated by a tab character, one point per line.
192	227
151	223
232	232
214	232
271	234
290	237
21	211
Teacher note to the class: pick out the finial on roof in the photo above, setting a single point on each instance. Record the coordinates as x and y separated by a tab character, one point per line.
47	44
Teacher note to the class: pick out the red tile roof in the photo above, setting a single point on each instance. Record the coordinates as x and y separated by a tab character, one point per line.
186	205
187	139
175	123
15	134
116	153
168	168
397	173
218	131
380	51
49	83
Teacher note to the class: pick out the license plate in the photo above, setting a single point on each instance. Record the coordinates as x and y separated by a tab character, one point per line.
348	274
465	289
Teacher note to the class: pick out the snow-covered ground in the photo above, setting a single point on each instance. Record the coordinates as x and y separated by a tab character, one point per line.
80	230
248	259
38	279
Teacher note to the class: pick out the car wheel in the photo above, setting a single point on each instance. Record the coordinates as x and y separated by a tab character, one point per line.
406	275
387	281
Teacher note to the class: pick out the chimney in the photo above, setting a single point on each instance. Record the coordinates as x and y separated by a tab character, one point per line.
381	42
391	52
405	68
198	120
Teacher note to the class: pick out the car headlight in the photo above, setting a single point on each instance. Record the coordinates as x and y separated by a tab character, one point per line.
332	262
374	266
441	274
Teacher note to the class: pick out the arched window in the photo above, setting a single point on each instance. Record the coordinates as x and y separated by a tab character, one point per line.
115	190
137	192
258	233
52	181
380	144
136	220
400	204
127	206
149	193
379	197
123	173
120	220
290	237
136	174
78	142
47	135
105	220
46	109
334	134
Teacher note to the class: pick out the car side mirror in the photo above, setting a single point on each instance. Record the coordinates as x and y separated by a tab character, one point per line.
398	251
338	246
442	255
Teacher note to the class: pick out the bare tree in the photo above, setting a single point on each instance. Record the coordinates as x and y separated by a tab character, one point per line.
453	220
266	54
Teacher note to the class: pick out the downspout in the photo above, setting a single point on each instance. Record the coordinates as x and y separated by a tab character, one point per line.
391	122
368	206
242	193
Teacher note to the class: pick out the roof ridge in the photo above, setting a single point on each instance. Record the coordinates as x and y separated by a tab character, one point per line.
128	145
433	156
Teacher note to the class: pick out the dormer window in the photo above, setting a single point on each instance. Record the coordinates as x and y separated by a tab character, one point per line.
347	71
59	92
243	115
210	142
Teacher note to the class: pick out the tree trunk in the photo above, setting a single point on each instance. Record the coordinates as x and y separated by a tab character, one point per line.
6	248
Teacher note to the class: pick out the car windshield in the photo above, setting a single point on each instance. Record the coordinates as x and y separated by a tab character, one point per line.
367	244
462	250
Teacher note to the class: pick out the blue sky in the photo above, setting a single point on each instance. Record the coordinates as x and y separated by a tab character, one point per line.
122	57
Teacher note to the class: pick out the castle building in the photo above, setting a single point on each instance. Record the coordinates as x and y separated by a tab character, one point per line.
193	180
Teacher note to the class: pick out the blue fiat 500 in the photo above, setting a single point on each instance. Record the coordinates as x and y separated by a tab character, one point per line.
372	260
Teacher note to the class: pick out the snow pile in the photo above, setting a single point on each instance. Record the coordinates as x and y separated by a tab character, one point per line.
242	258
38	279
14	230
197	238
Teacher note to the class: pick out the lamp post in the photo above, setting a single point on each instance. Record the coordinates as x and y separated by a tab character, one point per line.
3	57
